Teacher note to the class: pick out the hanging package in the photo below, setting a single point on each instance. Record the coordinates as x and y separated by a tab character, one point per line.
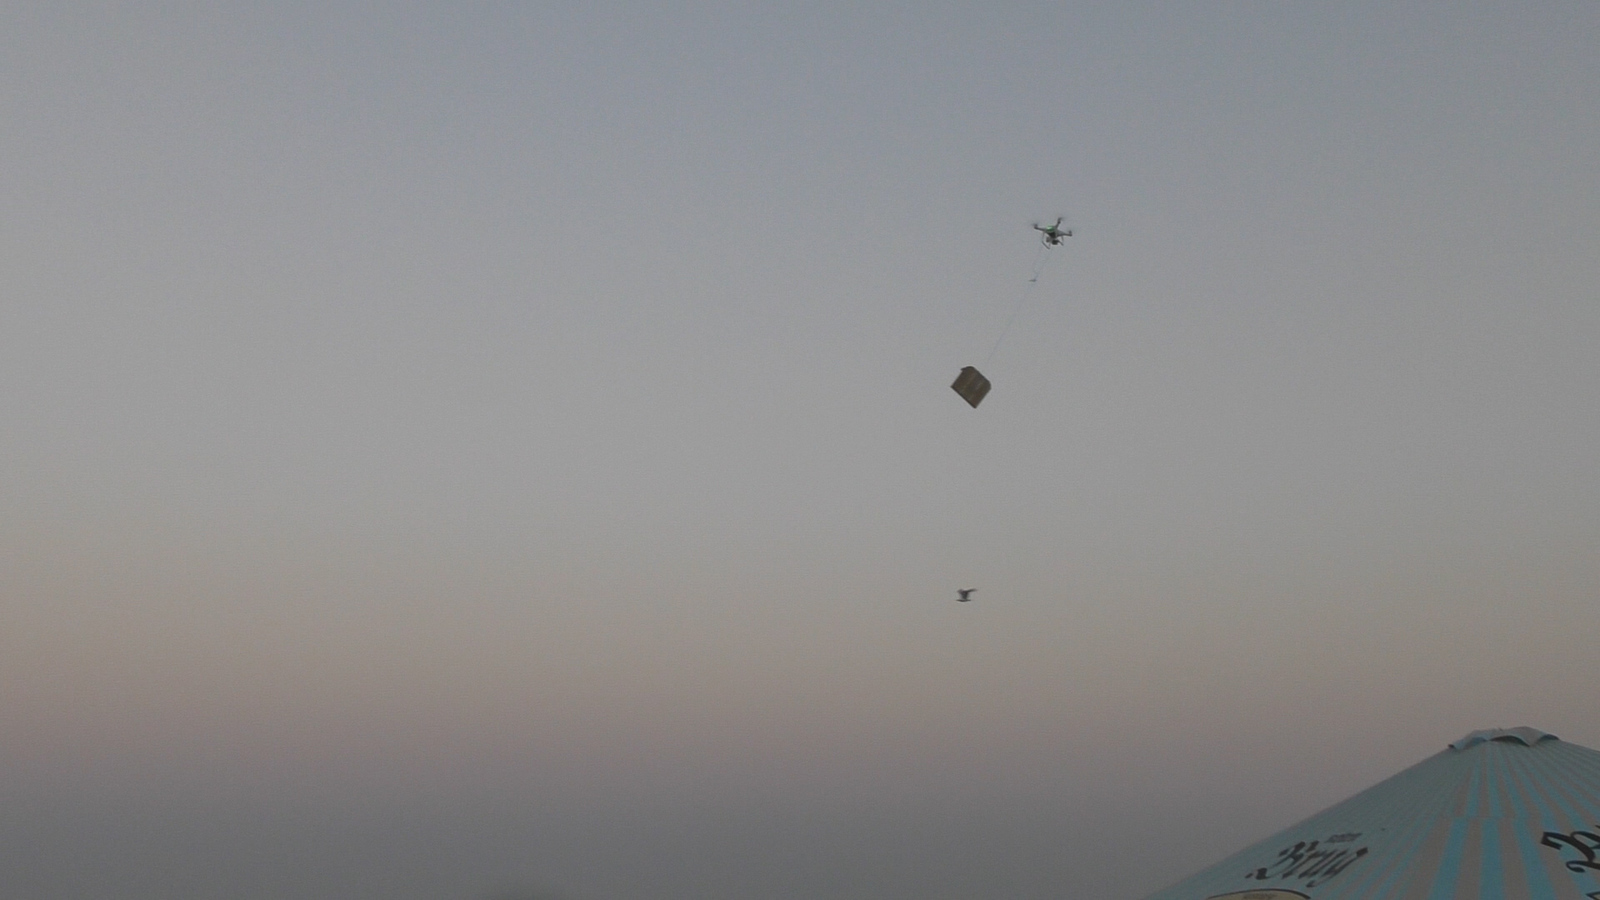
971	385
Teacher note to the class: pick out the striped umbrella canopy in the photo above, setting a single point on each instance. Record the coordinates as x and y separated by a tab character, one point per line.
1503	813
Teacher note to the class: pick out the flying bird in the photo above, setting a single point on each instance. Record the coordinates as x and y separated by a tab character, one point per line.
966	594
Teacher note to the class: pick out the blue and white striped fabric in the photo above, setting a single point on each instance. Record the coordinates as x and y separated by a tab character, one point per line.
1511	814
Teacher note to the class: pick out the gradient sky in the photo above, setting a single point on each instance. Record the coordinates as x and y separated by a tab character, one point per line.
467	451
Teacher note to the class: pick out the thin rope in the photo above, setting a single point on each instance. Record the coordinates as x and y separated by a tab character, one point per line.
1039	259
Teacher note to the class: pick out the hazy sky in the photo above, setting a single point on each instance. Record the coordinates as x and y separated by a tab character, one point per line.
474	448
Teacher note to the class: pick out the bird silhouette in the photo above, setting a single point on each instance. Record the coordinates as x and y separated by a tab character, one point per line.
966	594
